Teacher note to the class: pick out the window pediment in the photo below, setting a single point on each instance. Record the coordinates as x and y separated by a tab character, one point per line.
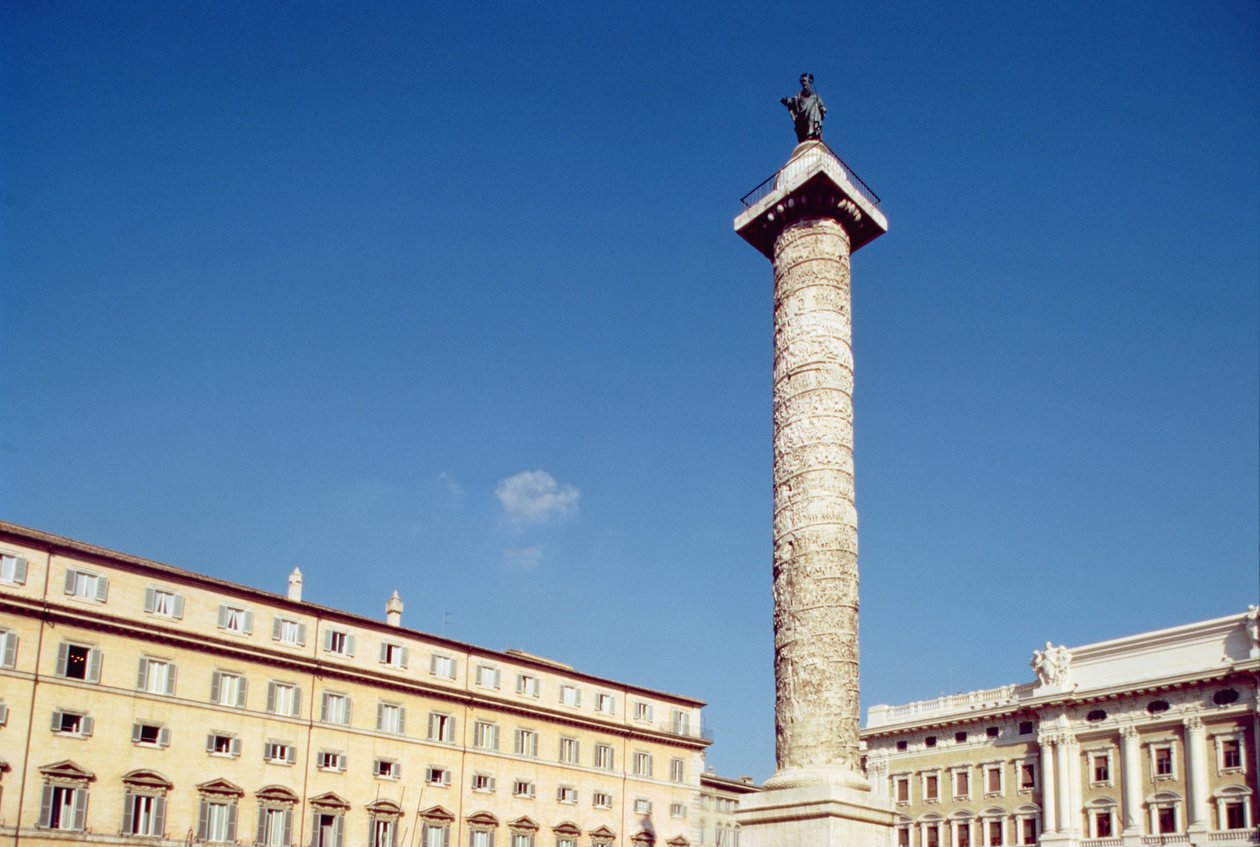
385	807
603	832
147	779
437	814
66	769
221	787
277	794
521	824
330	800
568	829
678	841
482	819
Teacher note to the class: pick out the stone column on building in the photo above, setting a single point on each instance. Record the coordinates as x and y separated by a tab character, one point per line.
812	218
1196	775
1049	821
1131	779
1068	814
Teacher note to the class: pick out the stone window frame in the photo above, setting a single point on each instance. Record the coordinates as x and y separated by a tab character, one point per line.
961	821
569	750
274	687
566	834
642	761
441	727
275	798
15	565
597	796
570	696
524	789
989	817
605	703
955	771
332	805
1218	741
83	729
394	655
442	774
896	779
602	837
234	744
678	810
642	805
144	783
1091	756
1022	816
443	666
605	757
481	823
65	776
488	676
934	798
482	782
385	768
327	698
1034	767
218	792
528	685
163	734
339	642
278	627
522	832
435	818
383	811
518	742
278	751
92	661
144	679
900	825
399	726
990	767
1099	806
338	764
217	677
485	734
96	582
176	601
235	619
677	770
643	711
1165	800
1233	795
1153	747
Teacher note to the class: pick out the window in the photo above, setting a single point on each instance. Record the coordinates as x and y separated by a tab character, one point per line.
437	776
601	800
335	708
643	711
284	698
76	661
993	829
63	807
931	788
522	839
442	667
383	831
1025	727
902	745
8	648
569	751
275	826
992	732
903	836
933	835
1225	696
163	602
223	744
394	655
156	676
235	620
390	718
642	763
1101	823
1155	707
901	789
72	723
1166	817
1100	770
606	703
960	737
288	631
680	722
217	820
441	727
86	585
436	834
150	734
338	643
930	741
228	689
963	830
485	735
642	806
1096	716
12	569
481	838
677	810
483	782
604	756
523	788
1234	814
570	695
677	770
330	760
526	685
1162	761
279	753
993	780
144	812
566	794
1229	753
1028	831
1027	776
526	743
327	828
487	676
962	784
386	769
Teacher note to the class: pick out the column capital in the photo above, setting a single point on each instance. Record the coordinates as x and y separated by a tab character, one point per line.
1193	723
1129	732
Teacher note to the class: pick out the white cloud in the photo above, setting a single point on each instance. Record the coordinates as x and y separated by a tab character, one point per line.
452	484
535	497
524	558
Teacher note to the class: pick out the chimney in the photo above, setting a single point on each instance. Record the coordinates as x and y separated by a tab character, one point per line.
393	610
295	585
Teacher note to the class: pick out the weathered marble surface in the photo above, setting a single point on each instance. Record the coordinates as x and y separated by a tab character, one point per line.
815	522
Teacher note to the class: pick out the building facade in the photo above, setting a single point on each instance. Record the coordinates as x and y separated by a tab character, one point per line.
1142	741
145	704
715	809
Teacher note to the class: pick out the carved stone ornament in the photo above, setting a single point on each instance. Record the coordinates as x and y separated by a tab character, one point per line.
1253	625
1051	664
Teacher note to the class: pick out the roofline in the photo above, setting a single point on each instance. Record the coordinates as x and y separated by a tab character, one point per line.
51	541
711	778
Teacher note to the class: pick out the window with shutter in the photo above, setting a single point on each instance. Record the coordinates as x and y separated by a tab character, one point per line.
12	569
8	648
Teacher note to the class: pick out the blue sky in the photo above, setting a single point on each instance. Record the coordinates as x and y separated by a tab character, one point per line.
314	284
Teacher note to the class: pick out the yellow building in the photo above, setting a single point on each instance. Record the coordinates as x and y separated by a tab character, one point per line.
1142	741
145	704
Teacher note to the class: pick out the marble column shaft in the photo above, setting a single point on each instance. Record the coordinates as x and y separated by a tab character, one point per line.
815	522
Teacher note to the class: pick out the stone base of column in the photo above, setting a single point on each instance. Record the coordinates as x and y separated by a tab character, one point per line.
817	815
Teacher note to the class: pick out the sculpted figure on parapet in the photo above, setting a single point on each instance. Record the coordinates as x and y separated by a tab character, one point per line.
1253	625
1051	664
807	110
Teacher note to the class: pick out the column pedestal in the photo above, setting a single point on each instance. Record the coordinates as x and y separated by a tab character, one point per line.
816	815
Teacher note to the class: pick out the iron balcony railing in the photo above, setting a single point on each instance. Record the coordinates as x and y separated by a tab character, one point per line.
767	185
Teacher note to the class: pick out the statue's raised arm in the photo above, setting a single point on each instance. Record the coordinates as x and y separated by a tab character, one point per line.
807	110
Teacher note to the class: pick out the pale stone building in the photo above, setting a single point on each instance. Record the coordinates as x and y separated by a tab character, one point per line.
1142	741
145	704
716	806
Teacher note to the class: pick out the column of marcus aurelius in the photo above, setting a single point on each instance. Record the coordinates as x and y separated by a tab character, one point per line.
808	219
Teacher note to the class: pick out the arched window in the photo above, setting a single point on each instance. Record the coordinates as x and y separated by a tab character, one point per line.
436	827
481	829
275	816
216	811
63	805
144	803
383	818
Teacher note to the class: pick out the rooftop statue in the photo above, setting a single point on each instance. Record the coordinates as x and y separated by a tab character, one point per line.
807	110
